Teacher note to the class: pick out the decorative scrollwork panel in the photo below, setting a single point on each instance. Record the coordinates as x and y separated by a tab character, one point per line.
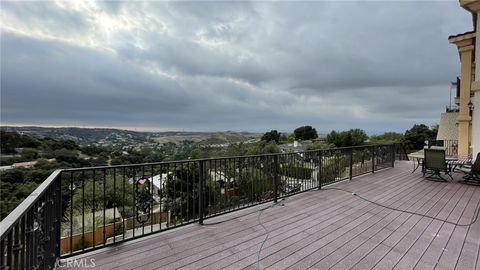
143	202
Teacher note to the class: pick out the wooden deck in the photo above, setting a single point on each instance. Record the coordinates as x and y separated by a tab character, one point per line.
328	229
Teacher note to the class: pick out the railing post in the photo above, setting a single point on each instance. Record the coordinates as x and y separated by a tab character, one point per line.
16	246
201	192
319	173
373	158
58	214
393	155
2	248
275	179
50	227
351	164
9	250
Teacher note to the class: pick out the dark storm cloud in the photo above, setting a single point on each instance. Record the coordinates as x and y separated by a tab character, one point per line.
41	79
221	65
41	82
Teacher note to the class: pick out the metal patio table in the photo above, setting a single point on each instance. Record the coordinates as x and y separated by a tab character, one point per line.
452	161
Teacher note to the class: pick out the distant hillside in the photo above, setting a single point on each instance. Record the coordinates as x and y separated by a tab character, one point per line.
206	137
75	133
85	135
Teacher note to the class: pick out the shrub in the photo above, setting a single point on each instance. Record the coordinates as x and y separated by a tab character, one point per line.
118	229
297	172
83	243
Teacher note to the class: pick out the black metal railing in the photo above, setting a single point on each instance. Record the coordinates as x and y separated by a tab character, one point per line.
450	146
30	234
400	152
79	210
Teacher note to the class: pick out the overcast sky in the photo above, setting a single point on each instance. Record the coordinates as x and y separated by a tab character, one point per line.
208	66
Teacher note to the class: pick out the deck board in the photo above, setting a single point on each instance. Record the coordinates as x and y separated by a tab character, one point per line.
328	229
313	231
318	250
452	238
345	257
441	210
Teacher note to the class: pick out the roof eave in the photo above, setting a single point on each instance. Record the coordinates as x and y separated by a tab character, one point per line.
462	38
472	6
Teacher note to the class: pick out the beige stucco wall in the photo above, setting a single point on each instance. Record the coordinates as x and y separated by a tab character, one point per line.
476	98
447	127
466	49
469	49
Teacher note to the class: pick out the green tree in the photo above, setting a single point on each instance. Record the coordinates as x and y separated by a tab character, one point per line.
198	153
272	135
351	137
12	176
92	150
29	154
181	190
387	137
289	138
317	145
67	156
415	137
434	129
109	191
11	140
100	160
358	136
305	133
263	147
242	149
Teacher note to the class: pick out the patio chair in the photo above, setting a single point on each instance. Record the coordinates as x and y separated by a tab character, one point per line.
434	164
472	173
438	143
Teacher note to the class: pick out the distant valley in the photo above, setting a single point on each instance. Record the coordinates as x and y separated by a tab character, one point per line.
85	136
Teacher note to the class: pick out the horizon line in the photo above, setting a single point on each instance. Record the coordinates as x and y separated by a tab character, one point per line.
140	129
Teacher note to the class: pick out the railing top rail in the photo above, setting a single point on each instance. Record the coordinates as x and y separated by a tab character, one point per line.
12	218
217	158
